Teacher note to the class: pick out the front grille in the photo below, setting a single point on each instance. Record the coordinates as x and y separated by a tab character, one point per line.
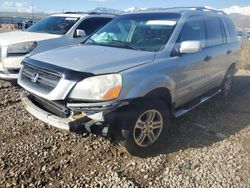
42	80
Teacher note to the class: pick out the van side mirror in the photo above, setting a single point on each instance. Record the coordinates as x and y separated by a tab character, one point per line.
189	47
80	33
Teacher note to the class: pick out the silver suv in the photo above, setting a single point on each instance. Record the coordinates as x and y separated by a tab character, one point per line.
129	79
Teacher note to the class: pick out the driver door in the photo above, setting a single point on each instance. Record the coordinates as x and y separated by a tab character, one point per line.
189	73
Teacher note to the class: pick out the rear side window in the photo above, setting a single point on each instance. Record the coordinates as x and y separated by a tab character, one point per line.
194	29
90	25
214	32
232	34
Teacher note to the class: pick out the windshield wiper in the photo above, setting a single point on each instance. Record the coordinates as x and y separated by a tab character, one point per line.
121	44
89	41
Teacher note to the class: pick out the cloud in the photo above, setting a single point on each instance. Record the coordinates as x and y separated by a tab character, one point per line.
16	6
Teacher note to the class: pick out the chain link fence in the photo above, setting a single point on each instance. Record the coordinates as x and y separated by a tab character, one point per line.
11	23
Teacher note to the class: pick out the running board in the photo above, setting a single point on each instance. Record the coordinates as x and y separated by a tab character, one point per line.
203	99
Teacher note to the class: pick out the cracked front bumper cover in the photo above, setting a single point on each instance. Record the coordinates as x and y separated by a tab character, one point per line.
77	124
46	117
91	116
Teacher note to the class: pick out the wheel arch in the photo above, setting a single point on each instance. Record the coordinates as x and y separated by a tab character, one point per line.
232	67
163	94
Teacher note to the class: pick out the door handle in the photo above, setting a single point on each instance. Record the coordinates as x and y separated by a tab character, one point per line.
229	51
208	58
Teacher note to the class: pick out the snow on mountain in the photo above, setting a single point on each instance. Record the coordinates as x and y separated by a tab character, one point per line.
107	10
238	10
230	10
134	9
131	9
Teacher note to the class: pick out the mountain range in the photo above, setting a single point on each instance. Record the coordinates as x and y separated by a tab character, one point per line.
230	10
239	15
238	10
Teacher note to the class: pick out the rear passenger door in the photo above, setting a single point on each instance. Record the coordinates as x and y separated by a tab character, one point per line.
216	52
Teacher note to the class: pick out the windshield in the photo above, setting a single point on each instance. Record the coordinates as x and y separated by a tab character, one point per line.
54	25
148	32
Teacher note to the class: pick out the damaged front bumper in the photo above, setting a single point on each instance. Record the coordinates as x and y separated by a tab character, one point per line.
85	118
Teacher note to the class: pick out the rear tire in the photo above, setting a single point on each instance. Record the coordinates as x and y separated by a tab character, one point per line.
145	127
228	82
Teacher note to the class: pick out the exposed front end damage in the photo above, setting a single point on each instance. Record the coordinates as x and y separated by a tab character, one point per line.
77	118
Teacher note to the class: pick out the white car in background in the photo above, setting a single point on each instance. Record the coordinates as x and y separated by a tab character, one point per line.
52	32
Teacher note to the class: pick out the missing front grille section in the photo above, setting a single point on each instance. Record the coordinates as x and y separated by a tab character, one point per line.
57	108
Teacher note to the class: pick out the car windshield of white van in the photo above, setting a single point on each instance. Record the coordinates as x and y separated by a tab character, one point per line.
54	25
145	31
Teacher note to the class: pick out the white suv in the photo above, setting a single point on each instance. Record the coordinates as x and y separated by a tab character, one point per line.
50	33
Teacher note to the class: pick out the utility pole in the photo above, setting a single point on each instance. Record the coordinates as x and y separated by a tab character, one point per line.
33	14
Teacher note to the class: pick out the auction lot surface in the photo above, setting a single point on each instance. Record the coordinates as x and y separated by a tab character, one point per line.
210	149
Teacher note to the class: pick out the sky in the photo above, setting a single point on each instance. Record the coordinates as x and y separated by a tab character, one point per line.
86	5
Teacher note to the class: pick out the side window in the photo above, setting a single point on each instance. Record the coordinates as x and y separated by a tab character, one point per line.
232	34
90	25
193	29
214	32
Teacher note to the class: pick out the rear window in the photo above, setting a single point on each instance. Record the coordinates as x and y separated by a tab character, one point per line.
232	34
214	32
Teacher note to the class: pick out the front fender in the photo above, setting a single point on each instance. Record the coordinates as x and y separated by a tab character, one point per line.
136	86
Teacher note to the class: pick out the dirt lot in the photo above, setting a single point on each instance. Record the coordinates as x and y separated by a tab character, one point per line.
210	149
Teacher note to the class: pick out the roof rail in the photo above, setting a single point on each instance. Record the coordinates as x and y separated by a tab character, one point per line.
210	9
201	8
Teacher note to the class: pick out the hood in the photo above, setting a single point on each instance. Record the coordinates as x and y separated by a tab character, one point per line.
95	59
23	36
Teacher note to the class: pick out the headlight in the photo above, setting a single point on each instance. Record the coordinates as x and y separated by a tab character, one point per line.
21	48
98	88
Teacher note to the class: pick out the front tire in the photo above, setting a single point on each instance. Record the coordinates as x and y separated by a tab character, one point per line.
145	127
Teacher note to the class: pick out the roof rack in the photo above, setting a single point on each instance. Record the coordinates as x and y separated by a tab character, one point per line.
201	8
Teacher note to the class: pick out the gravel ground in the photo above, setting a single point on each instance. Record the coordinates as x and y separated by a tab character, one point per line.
209	149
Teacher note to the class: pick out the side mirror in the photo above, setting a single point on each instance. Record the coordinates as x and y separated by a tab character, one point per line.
80	33
189	47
